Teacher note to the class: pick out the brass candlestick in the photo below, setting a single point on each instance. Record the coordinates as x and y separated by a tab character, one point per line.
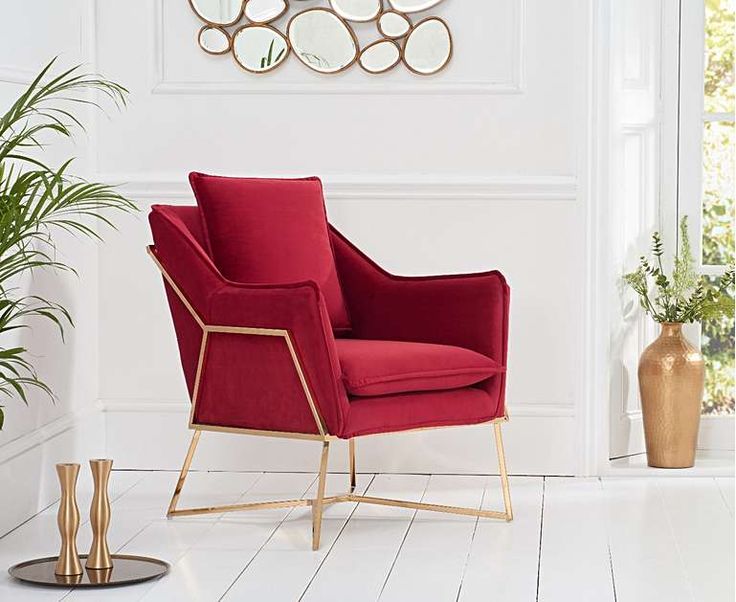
68	521
99	516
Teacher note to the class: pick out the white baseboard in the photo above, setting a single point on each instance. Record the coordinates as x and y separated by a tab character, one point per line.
462	450
716	433
27	464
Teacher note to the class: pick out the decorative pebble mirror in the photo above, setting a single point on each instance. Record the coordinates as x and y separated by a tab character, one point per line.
261	34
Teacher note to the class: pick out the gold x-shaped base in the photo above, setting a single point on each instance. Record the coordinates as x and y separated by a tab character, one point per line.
320	501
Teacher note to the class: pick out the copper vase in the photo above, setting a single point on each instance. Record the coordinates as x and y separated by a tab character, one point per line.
671	380
68	521
99	516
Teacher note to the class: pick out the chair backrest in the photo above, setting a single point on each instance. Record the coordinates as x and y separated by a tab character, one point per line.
270	231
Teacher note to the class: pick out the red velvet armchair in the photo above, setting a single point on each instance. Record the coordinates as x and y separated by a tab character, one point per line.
285	329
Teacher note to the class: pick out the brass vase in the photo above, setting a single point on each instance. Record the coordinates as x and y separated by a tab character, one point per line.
671	380
99	516
68	521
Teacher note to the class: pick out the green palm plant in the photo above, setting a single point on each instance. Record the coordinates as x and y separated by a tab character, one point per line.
37	201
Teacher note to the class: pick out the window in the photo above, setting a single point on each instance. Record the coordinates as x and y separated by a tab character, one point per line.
717	229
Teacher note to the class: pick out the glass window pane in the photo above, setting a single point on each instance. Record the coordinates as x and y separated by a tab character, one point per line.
718	349
718	193
719	43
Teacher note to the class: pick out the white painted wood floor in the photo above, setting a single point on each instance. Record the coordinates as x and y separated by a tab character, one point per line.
599	540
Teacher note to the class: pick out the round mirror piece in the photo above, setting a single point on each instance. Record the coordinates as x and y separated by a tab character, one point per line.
259	48
357	10
322	40
393	25
265	11
380	56
428	48
213	40
218	12
412	6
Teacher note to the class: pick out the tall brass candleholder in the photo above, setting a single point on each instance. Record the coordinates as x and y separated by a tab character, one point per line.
99	516
66	570
68	521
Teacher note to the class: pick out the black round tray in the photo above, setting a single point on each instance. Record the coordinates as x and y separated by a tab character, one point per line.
126	570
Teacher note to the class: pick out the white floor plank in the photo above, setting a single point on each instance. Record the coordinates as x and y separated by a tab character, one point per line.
504	556
284	567
574	561
141	526
703	529
362	557
250	530
655	538
228	542
199	576
726	485
40	536
646	562
431	560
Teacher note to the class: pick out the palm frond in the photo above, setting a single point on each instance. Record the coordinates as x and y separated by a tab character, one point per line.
37	201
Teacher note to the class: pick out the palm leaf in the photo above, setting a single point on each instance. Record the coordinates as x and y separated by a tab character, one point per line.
37	201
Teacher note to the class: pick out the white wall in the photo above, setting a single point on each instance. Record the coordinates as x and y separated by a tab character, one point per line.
500	161
44	433
476	168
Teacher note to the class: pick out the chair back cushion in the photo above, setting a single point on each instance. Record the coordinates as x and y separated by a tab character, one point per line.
372	368
270	231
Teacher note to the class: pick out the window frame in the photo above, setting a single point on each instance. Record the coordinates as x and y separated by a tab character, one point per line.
692	118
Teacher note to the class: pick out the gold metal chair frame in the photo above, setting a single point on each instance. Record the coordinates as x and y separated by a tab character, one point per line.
319	502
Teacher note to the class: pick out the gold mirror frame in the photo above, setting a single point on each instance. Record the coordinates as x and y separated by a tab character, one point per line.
399	55
260	26
221	30
449	54
373	18
430	5
394	12
271	20
213	23
349	29
346	23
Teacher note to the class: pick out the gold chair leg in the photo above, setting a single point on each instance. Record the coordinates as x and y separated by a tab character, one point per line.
351	446
183	474
318	502
503	473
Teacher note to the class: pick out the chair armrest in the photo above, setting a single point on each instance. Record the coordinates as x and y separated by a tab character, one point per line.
248	381
469	311
300	310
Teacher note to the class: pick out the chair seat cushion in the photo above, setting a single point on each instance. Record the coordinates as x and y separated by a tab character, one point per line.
371	368
408	411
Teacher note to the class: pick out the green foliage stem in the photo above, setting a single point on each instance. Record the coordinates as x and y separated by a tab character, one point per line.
686	296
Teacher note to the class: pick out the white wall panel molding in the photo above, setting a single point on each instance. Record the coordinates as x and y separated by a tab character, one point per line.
38	436
162	84
455	450
16	75
27	462
172	406
344	187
